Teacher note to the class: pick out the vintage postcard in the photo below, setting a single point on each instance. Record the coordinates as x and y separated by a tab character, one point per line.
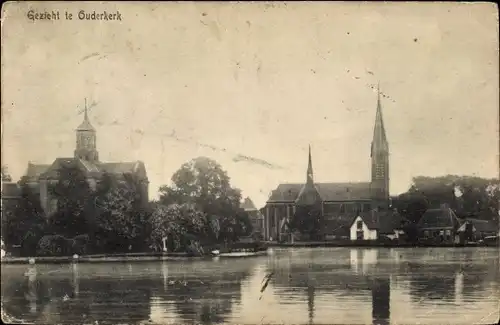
250	163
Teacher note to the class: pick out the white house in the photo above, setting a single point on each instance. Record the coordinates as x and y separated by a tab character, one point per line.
363	228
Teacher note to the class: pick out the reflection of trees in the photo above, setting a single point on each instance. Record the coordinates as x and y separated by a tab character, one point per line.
438	281
205	298
95	299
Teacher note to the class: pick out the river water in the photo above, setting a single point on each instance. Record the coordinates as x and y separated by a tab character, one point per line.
308	286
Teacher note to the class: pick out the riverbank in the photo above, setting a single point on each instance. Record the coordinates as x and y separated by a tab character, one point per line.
102	258
368	244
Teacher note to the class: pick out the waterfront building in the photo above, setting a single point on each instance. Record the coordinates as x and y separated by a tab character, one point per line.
339	203
41	177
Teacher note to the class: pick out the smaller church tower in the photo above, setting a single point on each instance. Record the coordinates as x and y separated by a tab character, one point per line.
380	161
309	194
86	140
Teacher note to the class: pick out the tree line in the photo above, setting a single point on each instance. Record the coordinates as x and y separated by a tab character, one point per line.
113	216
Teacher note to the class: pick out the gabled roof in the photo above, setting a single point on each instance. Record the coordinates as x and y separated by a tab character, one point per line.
370	219
327	191
439	218
136	167
248	205
91	169
35	170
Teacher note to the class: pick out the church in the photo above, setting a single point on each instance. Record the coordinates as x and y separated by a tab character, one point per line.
340	203
41	177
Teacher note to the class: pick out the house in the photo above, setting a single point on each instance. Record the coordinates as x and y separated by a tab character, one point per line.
376	226
479	228
364	227
438	226
256	217
338	202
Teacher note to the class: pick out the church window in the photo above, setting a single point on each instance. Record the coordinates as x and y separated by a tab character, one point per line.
360	224
379	171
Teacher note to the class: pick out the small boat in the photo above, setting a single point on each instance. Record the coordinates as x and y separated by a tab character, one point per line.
243	253
491	240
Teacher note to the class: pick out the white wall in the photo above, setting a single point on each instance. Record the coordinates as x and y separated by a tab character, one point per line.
368	234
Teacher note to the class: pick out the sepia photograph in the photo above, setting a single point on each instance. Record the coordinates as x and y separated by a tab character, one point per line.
250	163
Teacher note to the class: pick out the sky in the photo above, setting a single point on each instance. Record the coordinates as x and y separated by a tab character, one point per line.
174	81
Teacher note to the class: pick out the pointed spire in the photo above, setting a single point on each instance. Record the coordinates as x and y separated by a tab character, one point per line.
379	136
309	194
85	126
86	116
310	178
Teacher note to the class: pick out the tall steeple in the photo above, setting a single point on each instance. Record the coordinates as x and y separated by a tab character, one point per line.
380	158
310	177
86	139
309	194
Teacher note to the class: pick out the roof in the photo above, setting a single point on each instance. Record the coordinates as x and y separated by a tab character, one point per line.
338	225
85	126
10	189
248	205
385	222
482	225
370	219
90	168
35	170
327	191
438	218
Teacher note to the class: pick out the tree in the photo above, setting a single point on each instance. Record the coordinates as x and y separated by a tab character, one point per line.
73	194
180	223
466	195
308	220
24	223
120	217
5	174
203	183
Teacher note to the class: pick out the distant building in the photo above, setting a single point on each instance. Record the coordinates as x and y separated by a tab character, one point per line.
479	228
41	177
11	194
438	226
255	215
339	202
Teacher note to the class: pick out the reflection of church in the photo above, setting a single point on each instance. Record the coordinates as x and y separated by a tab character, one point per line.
41	178
339	202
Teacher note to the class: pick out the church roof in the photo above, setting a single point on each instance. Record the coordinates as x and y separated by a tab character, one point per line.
248	205
90	168
327	191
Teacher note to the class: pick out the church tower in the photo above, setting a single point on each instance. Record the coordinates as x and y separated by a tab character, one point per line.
380	161
86	140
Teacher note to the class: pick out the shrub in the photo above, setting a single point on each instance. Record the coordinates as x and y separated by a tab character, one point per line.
80	244
53	245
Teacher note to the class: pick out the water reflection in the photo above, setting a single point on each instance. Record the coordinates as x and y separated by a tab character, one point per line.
309	286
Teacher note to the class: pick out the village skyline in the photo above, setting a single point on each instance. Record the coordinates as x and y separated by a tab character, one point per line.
210	82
